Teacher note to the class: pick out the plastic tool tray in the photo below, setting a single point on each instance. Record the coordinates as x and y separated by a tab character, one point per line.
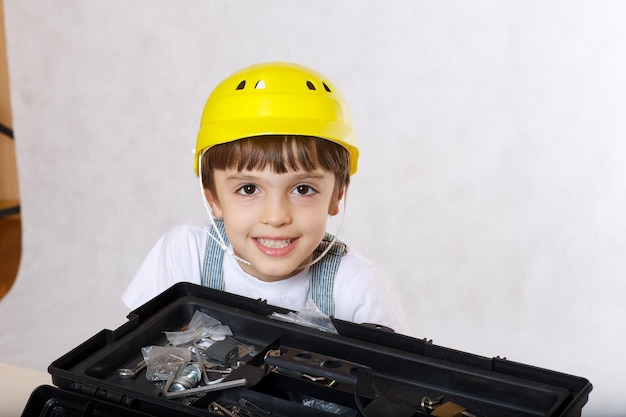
297	371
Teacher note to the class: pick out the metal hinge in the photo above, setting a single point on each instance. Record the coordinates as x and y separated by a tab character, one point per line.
110	396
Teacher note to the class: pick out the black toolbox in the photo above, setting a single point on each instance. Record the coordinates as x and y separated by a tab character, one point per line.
297	371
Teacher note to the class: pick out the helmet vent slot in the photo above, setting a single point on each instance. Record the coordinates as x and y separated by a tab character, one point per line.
310	85
260	85
326	87
241	85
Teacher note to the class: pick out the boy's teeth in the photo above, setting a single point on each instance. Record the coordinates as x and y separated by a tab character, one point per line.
274	244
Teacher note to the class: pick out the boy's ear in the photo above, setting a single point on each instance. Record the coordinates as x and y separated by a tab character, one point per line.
333	208
213	203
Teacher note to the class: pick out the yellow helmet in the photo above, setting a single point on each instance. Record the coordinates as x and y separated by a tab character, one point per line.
276	98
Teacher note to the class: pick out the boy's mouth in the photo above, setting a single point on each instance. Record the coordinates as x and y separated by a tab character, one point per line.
274	243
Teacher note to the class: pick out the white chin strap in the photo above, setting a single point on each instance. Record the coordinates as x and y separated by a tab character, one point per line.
217	236
332	242
215	233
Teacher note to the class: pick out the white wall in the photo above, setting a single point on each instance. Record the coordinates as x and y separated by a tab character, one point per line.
492	184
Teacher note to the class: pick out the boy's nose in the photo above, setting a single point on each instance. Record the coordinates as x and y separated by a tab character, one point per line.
275	211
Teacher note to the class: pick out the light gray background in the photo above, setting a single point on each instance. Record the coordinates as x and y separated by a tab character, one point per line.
492	181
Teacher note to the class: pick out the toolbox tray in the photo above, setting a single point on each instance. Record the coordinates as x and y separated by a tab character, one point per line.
375	371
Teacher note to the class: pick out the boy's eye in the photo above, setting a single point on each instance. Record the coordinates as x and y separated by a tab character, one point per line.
247	189
304	190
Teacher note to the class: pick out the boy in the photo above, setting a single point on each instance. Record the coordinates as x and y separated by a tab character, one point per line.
274	156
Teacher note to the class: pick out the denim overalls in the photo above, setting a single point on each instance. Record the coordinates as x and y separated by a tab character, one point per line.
322	273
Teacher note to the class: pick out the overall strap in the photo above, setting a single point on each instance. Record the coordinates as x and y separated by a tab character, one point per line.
323	273
212	275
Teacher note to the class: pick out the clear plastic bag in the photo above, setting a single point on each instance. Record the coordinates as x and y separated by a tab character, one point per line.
162	362
201	326
309	316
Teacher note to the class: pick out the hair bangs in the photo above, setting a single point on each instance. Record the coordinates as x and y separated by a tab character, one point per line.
281	154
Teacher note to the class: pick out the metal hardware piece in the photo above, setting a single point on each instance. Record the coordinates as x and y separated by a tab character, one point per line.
216	386
429	404
447	409
218	407
189	378
130	373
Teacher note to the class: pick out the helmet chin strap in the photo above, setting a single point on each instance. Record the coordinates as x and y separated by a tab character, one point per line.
332	242
217	236
215	233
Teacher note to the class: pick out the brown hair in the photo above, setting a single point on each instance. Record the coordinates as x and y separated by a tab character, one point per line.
282	153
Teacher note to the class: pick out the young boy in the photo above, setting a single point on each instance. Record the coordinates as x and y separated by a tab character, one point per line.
274	155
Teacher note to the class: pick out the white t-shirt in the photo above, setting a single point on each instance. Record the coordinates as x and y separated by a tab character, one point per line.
361	292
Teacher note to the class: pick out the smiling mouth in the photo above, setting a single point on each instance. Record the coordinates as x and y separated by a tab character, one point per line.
275	244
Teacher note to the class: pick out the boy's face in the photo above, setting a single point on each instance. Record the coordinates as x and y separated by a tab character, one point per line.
274	221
